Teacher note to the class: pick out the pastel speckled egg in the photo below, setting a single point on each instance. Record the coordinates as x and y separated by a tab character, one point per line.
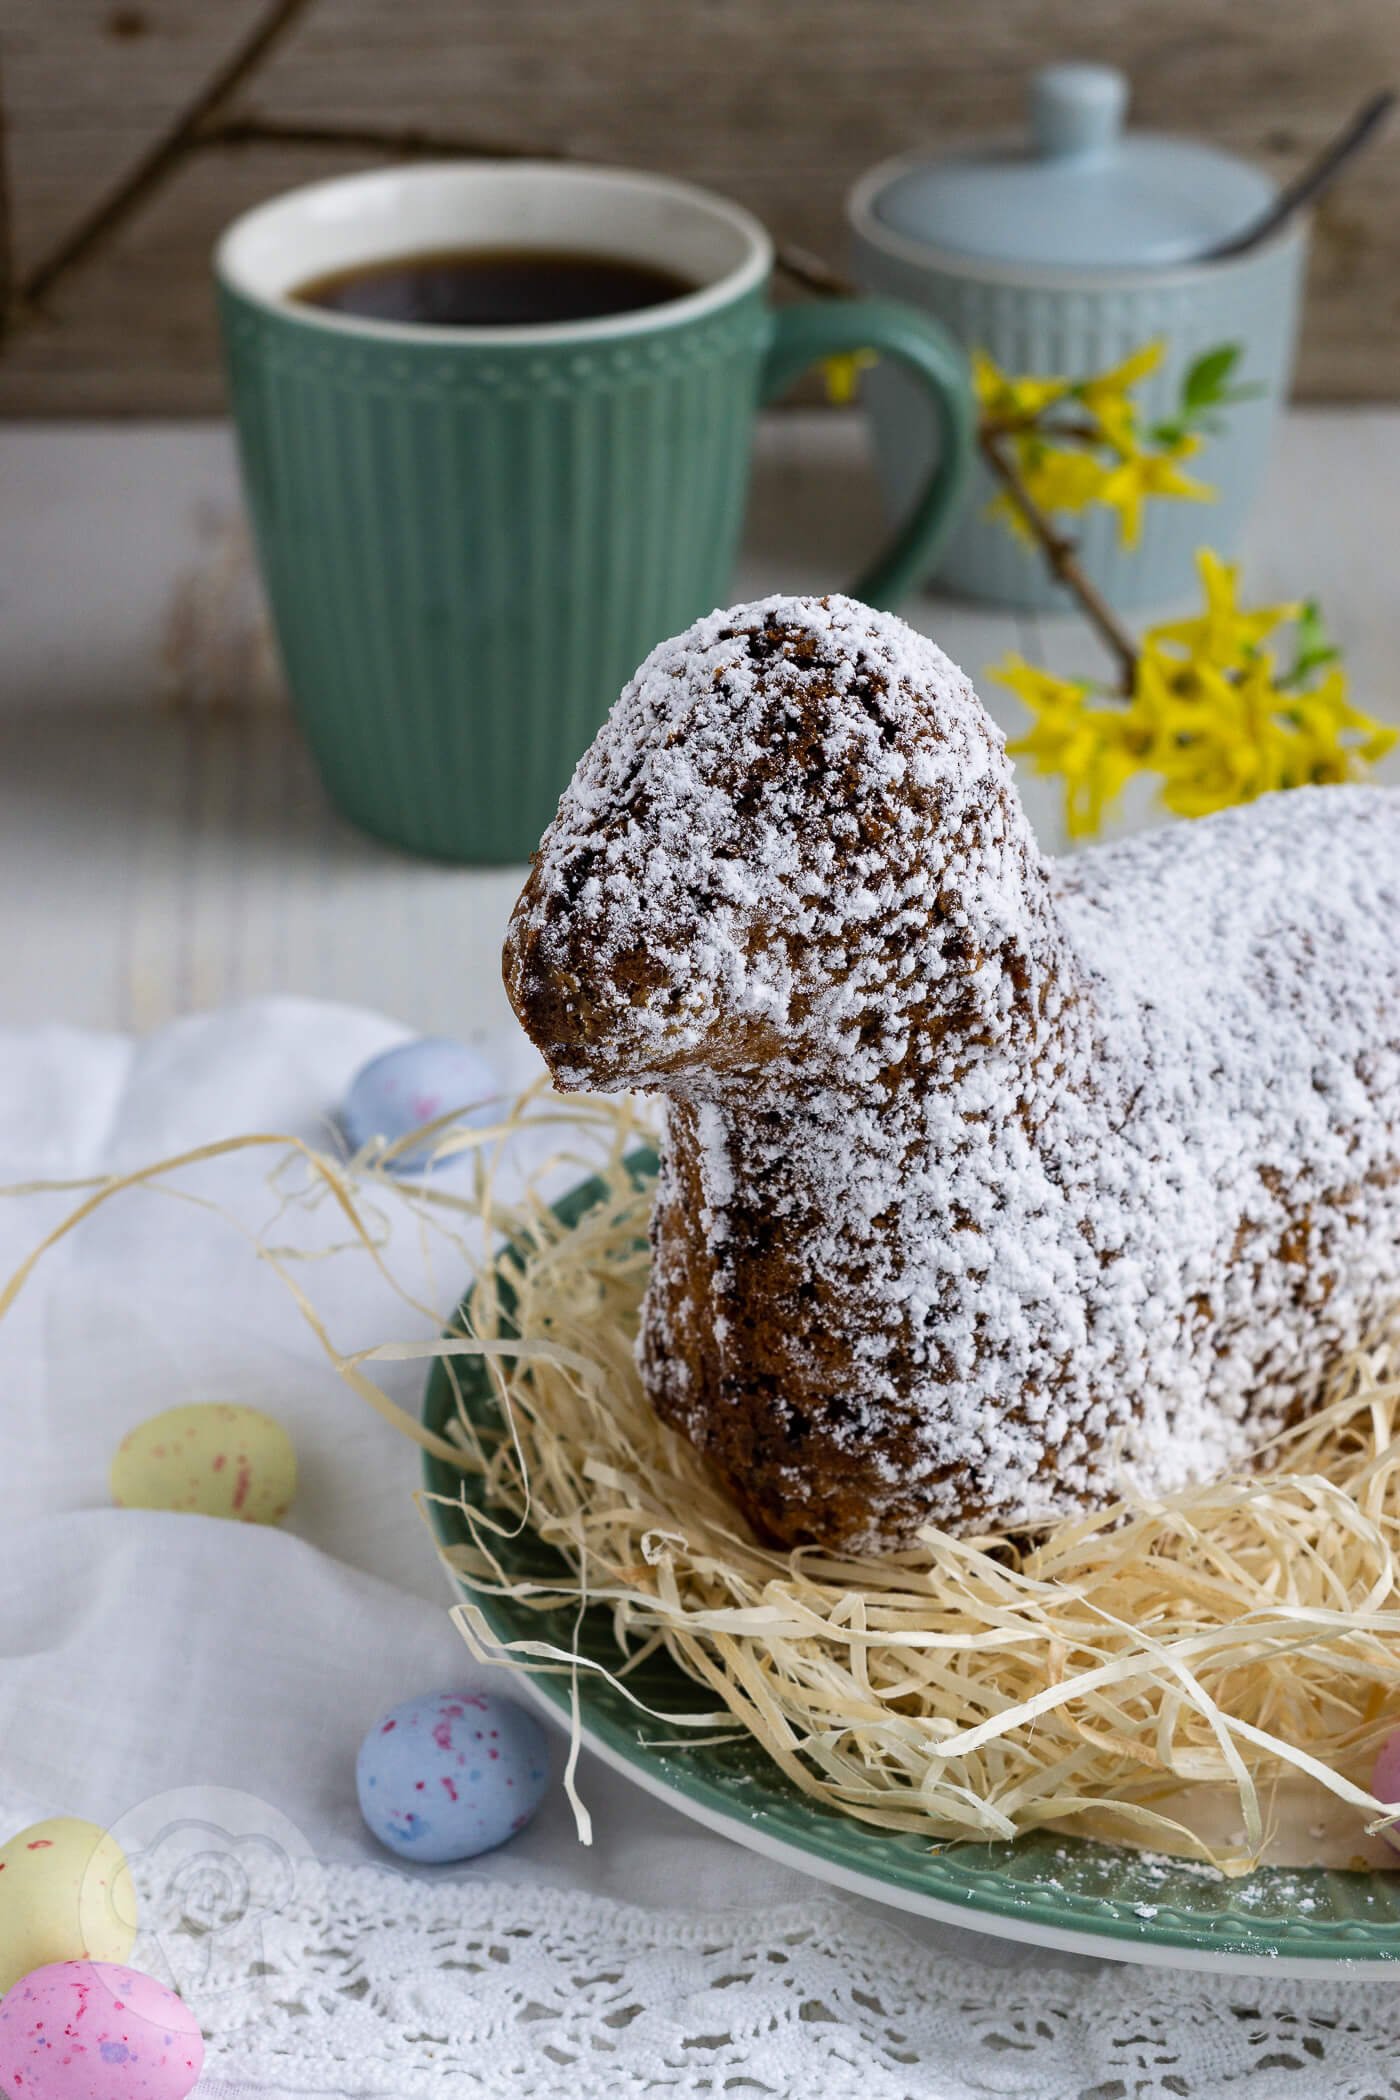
1385	1783
213	1458
65	1893
415	1084
95	2030
451	1774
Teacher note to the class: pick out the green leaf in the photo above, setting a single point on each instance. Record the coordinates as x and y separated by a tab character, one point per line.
1313	646
1204	384
1313	660
1311	632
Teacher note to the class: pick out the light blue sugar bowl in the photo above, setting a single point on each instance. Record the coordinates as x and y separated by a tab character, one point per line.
1059	255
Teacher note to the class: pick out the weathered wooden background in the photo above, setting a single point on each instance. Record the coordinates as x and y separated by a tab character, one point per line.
778	102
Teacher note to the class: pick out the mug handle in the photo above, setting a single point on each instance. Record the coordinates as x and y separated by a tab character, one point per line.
803	335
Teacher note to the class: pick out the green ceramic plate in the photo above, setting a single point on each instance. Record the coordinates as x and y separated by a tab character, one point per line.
1056	1891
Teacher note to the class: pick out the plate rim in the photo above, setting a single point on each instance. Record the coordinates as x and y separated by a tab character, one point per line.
1141	1940
1065	1939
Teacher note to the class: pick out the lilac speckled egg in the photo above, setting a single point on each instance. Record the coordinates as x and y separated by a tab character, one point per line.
451	1774
415	1084
95	2030
1385	1782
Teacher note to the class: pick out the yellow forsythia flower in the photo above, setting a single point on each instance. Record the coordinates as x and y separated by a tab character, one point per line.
1088	745
1110	386
1223	634
1011	400
1210	712
1144	474
1078	442
842	374
1056	480
1115	422
1042	692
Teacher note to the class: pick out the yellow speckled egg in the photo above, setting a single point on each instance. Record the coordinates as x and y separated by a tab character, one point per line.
214	1458
65	1895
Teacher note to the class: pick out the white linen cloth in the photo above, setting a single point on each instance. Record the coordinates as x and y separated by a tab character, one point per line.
202	1687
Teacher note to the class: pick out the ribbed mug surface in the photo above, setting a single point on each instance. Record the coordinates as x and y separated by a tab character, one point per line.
469	552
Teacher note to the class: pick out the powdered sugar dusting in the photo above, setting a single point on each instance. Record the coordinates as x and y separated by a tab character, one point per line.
987	1178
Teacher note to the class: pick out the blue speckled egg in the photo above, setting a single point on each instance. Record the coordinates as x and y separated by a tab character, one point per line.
451	1774
415	1084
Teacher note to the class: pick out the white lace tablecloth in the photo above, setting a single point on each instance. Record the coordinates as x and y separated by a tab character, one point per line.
202	1687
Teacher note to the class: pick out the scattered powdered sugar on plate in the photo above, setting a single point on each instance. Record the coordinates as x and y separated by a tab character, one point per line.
989	1180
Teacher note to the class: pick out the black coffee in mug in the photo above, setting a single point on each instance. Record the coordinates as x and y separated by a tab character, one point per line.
494	288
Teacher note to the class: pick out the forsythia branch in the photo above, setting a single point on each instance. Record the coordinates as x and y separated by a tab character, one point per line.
1061	554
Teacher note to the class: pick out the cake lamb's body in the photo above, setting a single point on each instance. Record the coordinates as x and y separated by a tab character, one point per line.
989	1182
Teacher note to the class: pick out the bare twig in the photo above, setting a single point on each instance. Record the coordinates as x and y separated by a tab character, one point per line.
151	170
410	142
7	253
1061	555
813	274
999	426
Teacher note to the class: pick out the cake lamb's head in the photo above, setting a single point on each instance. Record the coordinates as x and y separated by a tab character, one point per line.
792	853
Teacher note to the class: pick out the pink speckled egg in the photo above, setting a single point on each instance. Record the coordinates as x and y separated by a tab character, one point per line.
93	2030
1385	1782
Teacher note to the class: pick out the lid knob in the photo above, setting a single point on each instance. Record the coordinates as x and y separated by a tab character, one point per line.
1076	108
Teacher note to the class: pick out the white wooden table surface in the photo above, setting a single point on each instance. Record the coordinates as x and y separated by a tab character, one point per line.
164	842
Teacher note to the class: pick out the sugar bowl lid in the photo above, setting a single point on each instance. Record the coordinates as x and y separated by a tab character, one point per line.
1081	193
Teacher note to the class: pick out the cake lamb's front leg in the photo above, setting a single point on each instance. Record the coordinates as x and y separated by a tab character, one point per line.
800	1333
744	1348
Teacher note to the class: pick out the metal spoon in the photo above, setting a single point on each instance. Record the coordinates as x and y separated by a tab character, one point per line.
1313	180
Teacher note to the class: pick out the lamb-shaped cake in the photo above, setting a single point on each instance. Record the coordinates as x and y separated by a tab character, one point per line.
990	1183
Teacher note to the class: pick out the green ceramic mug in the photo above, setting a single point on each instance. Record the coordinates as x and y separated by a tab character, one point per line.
472	536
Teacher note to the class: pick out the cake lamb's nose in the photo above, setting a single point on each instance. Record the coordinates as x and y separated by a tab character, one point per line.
551	999
574	996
